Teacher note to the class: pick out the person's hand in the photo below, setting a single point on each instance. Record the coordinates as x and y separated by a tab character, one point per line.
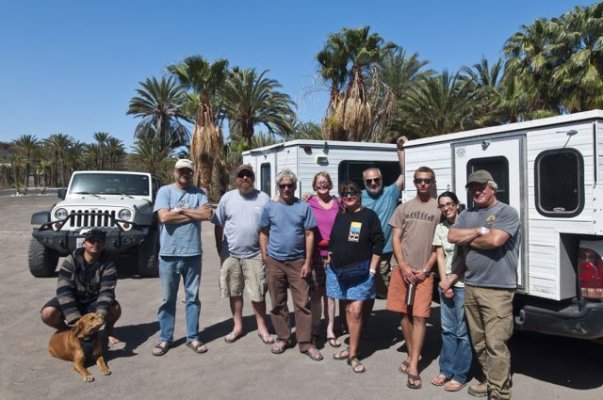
408	275
449	293
208	212
305	271
307	197
420	276
401	141
177	210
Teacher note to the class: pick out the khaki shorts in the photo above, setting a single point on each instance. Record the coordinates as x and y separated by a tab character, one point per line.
239	275
396	295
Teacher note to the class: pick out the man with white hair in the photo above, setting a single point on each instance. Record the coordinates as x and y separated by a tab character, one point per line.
286	242
490	234
180	207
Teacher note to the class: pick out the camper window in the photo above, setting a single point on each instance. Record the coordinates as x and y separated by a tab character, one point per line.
265	179
559	177
352	171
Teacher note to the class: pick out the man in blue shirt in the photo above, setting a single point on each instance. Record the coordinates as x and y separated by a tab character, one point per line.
286	244
180	207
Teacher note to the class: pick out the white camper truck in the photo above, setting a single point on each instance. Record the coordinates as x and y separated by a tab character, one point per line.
550	170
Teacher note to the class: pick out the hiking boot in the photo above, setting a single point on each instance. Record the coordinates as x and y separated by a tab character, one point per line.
478	389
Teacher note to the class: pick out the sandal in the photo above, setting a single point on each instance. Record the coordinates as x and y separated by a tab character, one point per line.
439	380
416	381
197	346
232	337
279	347
453	386
314	354
266	338
403	368
356	365
161	348
342	355
333	342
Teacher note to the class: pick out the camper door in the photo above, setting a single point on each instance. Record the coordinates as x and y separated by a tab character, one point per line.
503	158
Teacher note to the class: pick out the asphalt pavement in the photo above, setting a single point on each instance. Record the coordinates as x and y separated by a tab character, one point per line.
544	367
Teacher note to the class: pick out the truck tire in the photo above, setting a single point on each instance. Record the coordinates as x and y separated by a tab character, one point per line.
42	261
148	260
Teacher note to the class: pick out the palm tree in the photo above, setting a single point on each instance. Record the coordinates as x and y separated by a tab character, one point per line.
203	80
440	104
160	104
26	147
491	105
250	99
115	151
58	145
150	154
391	82
360	51
101	140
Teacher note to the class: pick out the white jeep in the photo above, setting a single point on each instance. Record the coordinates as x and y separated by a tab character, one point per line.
119	202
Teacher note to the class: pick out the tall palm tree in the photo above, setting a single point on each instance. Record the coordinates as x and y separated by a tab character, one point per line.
251	99
26	147
58	145
115	152
101	140
150	154
578	47
440	104
360	50
393	78
491	107
160	105
203	80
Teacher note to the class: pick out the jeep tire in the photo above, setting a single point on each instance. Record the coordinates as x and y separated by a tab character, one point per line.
148	260
42	261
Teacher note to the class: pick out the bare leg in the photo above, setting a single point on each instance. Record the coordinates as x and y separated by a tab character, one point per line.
259	309
330	316
113	315
353	312
406	325
236	307
54	318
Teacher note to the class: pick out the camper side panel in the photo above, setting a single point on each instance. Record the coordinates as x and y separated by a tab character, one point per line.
436	156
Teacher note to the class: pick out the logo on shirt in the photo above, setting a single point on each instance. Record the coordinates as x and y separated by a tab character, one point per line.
354	234
491	219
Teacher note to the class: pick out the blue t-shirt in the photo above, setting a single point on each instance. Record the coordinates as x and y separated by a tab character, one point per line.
180	239
384	206
240	217
287	225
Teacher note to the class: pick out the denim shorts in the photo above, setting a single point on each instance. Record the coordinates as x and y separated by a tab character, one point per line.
355	291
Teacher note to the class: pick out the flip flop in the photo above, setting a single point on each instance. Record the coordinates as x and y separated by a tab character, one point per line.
232	337
314	354
197	346
333	342
404	367
356	365
416	382
161	348
453	386
279	347
342	355
439	380
266	338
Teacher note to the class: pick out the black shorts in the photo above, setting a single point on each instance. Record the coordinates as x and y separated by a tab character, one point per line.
83	308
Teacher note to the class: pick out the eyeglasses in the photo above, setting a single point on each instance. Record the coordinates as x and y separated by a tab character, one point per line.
244	174
185	171
286	186
352	193
370	181
447	205
322	184
419	181
95	241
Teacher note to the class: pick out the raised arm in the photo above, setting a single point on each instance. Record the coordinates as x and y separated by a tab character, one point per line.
400	182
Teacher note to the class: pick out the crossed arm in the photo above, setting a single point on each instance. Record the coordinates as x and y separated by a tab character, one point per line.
480	238
183	215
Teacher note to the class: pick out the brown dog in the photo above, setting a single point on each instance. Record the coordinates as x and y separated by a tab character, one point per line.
82	340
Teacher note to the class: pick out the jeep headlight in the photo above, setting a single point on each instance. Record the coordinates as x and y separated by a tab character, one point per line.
60	213
124	214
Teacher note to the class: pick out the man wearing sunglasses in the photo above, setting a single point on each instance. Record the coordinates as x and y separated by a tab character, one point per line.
86	283
413	225
490	233
287	242
383	201
180	207
236	231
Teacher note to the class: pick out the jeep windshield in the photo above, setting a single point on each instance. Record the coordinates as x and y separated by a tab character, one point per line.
107	184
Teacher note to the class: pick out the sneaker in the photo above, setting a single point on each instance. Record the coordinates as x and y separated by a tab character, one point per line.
478	389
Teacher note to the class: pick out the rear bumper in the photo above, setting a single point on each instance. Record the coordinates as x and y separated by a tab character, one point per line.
65	242
583	321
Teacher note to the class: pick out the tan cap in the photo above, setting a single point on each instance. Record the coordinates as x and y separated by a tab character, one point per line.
245	167
184	163
480	176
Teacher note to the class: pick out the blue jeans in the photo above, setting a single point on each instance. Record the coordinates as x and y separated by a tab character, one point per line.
456	353
170	269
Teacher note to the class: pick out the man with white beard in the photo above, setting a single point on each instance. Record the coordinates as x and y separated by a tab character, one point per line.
237	240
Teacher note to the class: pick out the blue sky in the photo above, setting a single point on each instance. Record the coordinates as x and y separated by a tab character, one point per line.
70	66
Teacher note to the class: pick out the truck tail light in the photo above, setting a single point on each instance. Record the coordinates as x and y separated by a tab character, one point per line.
590	274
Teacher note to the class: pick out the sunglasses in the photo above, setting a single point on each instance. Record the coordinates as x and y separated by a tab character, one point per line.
352	193
95	241
185	171
244	174
370	181
419	181
286	186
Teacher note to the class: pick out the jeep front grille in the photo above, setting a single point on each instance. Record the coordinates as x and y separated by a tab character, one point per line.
90	219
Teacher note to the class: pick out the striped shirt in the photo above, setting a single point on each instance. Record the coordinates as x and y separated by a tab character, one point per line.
81	284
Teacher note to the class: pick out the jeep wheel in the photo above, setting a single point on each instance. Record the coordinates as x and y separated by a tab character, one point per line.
147	255
42	261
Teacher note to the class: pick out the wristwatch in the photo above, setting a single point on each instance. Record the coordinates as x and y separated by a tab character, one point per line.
425	271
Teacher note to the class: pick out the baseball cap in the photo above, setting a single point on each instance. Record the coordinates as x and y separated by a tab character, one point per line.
97	233
480	176
184	163
245	167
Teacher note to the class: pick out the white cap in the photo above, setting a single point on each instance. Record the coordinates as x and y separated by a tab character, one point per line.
184	163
